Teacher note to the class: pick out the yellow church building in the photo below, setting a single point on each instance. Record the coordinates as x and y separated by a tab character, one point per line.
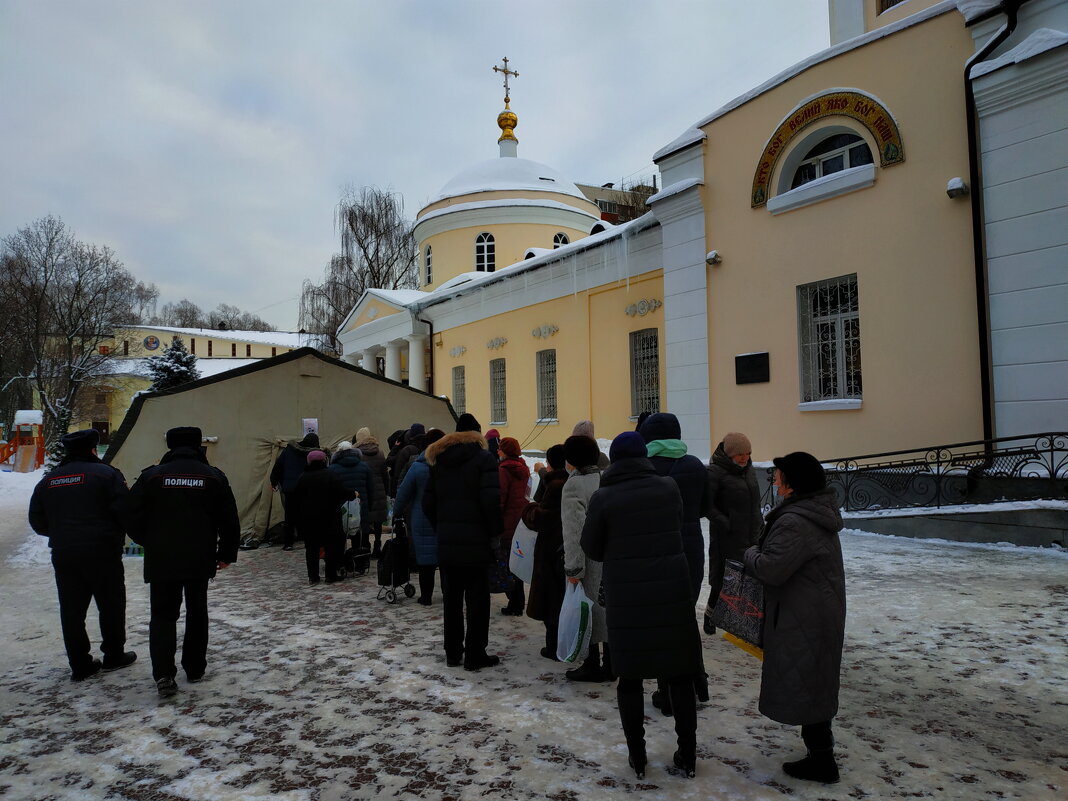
807	274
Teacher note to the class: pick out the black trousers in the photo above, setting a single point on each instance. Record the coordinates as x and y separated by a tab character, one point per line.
818	736
426	581
631	700
517	597
79	580
465	586
289	526
166	599
334	545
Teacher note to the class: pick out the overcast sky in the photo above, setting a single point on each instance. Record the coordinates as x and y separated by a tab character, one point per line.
208	143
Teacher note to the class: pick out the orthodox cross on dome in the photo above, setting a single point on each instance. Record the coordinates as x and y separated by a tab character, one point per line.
507	74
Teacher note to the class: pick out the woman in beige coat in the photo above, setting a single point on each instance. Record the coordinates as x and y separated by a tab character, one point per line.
582	454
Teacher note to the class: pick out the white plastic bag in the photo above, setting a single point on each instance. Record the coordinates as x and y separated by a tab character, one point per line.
350	518
576	625
521	558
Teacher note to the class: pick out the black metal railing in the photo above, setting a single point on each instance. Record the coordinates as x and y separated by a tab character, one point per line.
1006	469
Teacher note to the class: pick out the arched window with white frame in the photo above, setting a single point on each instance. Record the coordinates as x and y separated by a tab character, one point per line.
560	240
837	152
485	254
428	268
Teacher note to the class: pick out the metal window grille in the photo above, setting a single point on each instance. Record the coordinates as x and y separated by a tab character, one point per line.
192	345
560	240
429	266
233	348
644	371
485	254
828	317
498	392
248	350
209	347
459	390
546	361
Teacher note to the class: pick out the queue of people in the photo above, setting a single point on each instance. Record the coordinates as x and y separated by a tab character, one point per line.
628	531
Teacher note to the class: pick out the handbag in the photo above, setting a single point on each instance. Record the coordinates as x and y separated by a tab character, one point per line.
500	578
739	610
521	557
576	625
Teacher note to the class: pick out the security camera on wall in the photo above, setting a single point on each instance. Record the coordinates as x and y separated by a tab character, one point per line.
713	257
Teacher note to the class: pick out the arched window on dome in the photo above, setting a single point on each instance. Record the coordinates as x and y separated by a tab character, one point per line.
428	266
838	152
560	240
485	255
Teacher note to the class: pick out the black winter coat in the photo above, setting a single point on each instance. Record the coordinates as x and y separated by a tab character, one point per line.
317	501
732	505
462	500
290	464
184	514
690	474
376	460
78	506
799	559
357	476
634	526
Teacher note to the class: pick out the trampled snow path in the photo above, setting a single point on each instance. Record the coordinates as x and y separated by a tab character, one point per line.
953	687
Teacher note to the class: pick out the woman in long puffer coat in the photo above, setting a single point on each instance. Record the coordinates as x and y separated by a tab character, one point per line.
409	504
732	506
514	476
355	475
547	583
799	561
376	460
583	455
634	526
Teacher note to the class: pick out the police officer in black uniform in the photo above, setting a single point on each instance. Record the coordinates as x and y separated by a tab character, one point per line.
77	506
184	514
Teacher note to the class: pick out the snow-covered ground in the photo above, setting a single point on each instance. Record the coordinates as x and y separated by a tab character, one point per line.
953	687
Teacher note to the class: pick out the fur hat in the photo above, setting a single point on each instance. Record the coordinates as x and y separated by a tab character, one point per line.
316	456
627	445
467	422
311	440
184	437
556	457
583	428
510	447
735	443
581	451
79	443
342	446
363	435
802	471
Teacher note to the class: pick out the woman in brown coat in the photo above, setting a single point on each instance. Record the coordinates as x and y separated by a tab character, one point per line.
799	560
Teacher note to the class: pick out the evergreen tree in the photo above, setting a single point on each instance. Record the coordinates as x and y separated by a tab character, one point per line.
175	367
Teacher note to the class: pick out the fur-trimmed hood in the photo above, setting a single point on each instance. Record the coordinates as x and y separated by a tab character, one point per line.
436	449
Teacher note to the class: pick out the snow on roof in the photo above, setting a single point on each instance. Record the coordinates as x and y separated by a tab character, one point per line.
26	417
689	137
1039	42
494	204
971	10
675	189
818	58
398	297
205	366
508	174
285	339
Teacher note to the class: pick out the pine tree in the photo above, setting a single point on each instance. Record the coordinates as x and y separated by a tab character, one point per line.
175	367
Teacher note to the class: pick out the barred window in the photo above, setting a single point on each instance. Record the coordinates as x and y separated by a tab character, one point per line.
546	360
498	393
886	5
560	240
828	320
459	390
429	265
485	255
233	348
644	371
248	350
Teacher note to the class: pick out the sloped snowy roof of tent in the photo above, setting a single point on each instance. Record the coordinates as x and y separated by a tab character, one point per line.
502	174
285	339
693	134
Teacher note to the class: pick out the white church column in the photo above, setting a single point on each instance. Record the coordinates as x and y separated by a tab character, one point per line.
416	363
682	223
369	360
393	359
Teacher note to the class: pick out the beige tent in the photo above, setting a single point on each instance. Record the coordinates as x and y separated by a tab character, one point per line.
248	415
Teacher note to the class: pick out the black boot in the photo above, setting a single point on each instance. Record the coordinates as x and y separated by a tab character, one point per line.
661	698
606	663
632	715
684	705
589	670
376	552
818	766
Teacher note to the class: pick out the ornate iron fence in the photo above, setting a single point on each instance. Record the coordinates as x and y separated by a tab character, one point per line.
1009	468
